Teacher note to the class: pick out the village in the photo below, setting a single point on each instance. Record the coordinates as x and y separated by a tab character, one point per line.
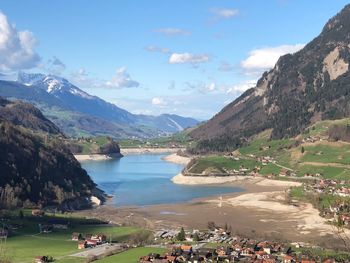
219	245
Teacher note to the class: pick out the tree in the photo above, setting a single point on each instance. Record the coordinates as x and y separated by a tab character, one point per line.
181	236
196	237
302	149
21	215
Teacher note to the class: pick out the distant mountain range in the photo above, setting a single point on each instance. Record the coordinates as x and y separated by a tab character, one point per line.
78	113
311	85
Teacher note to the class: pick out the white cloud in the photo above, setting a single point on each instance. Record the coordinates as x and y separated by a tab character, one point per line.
265	58
16	47
224	13
182	58
157	49
210	87
122	79
158	101
241	87
172	31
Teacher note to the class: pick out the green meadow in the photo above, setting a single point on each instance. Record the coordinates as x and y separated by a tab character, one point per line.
26	243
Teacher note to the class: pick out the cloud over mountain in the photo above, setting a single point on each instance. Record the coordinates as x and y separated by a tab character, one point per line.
122	79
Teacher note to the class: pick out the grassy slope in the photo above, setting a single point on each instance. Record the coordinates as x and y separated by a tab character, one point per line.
26	243
132	255
330	159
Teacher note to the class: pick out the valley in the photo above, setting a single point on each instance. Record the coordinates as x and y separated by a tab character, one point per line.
175	133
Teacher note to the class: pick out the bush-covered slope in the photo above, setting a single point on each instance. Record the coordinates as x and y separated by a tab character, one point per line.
36	169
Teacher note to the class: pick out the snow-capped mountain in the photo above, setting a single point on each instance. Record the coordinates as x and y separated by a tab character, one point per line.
52	84
76	111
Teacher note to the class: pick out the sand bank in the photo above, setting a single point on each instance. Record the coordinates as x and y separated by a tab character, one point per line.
203	180
125	151
175	158
92	157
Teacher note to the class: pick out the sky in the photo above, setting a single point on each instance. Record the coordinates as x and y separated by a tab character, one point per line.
186	57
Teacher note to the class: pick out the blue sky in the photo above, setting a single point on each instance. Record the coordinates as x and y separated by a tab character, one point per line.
189	57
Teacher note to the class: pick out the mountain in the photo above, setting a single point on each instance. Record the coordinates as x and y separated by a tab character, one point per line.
78	113
26	115
36	169
310	85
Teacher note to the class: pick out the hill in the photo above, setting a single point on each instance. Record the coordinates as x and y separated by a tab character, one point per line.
78	113
303	88
319	152
36	168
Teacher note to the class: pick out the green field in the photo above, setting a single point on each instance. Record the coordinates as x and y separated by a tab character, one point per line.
327	153
132	255
26	243
220	162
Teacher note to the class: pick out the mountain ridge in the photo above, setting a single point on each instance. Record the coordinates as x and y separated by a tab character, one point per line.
78	113
310	85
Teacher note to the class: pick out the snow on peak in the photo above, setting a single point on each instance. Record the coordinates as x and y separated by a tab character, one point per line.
177	125
51	83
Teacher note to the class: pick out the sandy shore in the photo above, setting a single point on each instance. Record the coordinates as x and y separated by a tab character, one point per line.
125	151
93	157
174	158
205	180
259	211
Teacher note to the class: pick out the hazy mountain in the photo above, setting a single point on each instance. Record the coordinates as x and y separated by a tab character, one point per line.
78	113
310	85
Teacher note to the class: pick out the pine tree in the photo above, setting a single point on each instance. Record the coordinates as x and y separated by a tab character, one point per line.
181	236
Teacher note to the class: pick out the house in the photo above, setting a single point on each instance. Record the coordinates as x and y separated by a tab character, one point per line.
37	212
288	259
39	259
221	252
186	248
100	238
307	261
77	236
43	259
82	244
91	243
283	173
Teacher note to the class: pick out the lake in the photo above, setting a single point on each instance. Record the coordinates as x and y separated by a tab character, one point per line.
145	179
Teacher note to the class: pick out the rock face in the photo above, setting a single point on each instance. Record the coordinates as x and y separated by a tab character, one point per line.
36	169
302	88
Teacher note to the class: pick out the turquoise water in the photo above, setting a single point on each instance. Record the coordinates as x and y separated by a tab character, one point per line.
145	179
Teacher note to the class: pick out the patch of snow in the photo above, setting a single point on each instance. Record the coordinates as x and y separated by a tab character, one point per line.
178	126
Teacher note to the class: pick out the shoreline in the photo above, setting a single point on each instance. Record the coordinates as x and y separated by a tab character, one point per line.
231	179
96	157
145	150
261	210
126	151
